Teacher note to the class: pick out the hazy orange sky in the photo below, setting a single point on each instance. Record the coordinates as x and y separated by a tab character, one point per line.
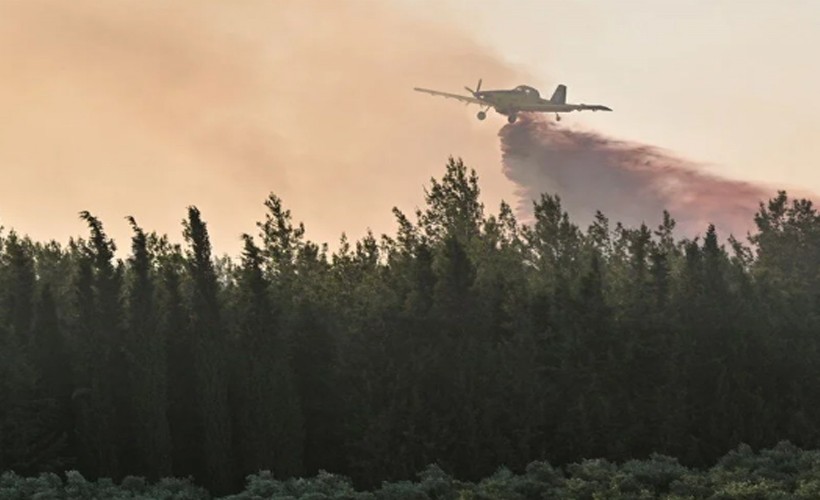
142	107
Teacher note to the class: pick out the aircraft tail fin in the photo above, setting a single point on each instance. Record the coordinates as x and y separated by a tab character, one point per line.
560	95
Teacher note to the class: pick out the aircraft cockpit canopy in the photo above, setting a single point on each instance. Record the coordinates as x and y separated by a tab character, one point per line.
528	90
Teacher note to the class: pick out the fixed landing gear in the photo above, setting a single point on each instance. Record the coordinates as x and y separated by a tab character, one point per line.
481	115
511	118
557	117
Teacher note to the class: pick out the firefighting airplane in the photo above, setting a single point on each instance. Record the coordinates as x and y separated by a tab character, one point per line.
521	98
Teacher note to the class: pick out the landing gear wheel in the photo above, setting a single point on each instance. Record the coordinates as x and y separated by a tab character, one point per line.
481	115
557	117
511	118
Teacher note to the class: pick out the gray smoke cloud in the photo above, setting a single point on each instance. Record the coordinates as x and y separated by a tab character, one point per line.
629	182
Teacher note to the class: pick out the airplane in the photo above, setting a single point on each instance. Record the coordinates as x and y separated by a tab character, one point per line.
520	99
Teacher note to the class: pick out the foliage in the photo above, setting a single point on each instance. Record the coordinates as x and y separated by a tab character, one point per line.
465	340
784	472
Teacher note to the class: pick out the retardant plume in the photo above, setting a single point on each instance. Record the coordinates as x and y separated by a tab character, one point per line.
143	107
629	182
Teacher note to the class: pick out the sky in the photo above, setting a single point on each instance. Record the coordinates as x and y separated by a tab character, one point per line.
143	107
728	83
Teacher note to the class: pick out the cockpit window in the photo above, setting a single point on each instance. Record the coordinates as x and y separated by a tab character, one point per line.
527	90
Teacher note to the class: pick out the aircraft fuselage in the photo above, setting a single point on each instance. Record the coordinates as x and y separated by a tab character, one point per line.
507	102
511	99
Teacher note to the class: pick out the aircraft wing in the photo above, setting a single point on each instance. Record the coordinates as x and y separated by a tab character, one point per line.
447	95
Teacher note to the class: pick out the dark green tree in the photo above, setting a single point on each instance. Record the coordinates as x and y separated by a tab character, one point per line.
184	417
267	412
146	348
102	396
210	343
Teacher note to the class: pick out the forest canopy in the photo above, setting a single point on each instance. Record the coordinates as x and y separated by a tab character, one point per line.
466	339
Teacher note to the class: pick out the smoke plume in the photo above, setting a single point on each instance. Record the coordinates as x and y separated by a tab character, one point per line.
630	183
143	107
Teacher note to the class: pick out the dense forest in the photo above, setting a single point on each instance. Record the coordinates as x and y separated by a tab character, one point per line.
466	340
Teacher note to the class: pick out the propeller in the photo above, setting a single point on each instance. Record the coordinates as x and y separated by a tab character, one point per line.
477	89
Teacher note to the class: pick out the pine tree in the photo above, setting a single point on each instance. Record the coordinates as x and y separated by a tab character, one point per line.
210	344
184	417
267	413
147	363
101	400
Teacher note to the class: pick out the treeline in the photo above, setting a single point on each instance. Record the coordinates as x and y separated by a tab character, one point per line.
783	472
467	340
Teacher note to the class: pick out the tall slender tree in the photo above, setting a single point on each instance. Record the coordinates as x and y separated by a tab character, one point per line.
267	412
210	344
102	397
147	362
184	417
